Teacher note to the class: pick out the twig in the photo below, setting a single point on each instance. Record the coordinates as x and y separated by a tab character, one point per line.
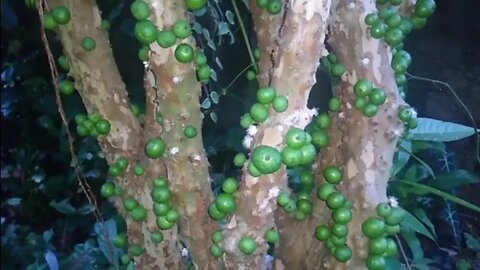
244	34
405	258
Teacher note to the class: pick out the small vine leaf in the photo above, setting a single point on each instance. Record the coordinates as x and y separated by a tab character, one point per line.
410	222
422	216
219	64
471	242
230	17
206	34
197	28
213	74
63	206
214	96
211	44
454	179
435	130
51	259
214	117
413	243
200	12
206	103
223	29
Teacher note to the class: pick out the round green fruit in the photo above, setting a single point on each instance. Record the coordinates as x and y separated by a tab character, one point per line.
393	36
172	215
252	170
161	194
383	210
138	170
418	22
138	213
195	4
362	88
334	104
182	29
425	8
216	236
304	206
66	87
130	203
155	148
247	245
266	159
143	53
250	75
392	230
343	253
378	30
259	112
386	12
394	20
184	53
88	44
337	70
342	215
146	32
377	246
395	217
332	174
160	182
135	250
119	240
79	118
226	203
324	190
200	59
103	126
246	120
266	95
274	7
239	160
339	230
370	110
230	185
166	38
63	63
216	251
105	25
323	121
163	223
272	236
405	114
114	171
406	26
335	200
375	262
203	73
322	232
371	19
283	199
392	250
107	190
377	97
280	104
140	10
295	138
309	153
49	21
125	259
160	209
291	206
319	138
190	131
373	227
214	213
156	237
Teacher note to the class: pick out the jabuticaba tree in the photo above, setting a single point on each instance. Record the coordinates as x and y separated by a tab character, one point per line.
340	218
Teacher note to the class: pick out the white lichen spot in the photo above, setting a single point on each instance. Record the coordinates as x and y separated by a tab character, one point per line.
280	128
146	64
341	115
252	130
397	132
414	112
184	252
272	193
174	150
176	79
351	5
247	141
197	157
365	61
367	155
392	201
349	106
116	98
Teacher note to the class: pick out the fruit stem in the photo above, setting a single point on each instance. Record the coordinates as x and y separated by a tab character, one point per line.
245	36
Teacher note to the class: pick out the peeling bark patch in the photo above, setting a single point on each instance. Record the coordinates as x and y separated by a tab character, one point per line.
367	155
352	169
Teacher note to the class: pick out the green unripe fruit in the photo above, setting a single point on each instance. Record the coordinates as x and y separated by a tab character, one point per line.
155	148
363	88
93	132
332	174
82	131
216	251
160	182
246	120
291	157
230	185
339	230
343	253
251	75
247	245
337	70
217	236
121	163
161	194
335	200
394	20
395	217
295	138
373	227
135	250
252	170
322	232
138	170
190	131
377	97
195	4
371	19
114	171
63	63
334	104
271	236
200	59
182	29
399	65
88	124
140	10
259	112
375	262
274	7
94	117
160	209
386	12
125	259
309	153
118	191
342	215
304	194
130	203
146	32
324	190
330	245
377	246
283	199
412	123
392	250
103	127
172	215
319	138
425	8
378	30
79	118
107	190
49	21
143	53
66	87
156	237
203	73
280	104
392	230
323	121
332	58
300	216
119	240
263	3
266	159
184	53
266	95
370	110
306	179
405	55
135	109
105	25
166	39
418	22
396	2
138	213
239	159
360	103
393	36
290	207
406	26
226	203
383	210
338	241
88	44
214	213
163	223
304	206
405	114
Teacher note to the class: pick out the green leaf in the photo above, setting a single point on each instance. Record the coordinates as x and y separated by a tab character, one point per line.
230	17
393	264
214	117
63	207
400	159
411	174
454	179
423	145
47	235
214	96
471	242
51	259
410	222
85	209
422	216
435	130
106	231
223	29
413	243
206	103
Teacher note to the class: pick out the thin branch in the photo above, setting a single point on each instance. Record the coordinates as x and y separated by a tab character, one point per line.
245	36
404	255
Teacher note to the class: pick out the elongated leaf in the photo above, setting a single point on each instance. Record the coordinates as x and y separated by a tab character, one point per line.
472	242
413	243
63	206
51	259
400	159
455	179
105	236
410	222
422	216
435	130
